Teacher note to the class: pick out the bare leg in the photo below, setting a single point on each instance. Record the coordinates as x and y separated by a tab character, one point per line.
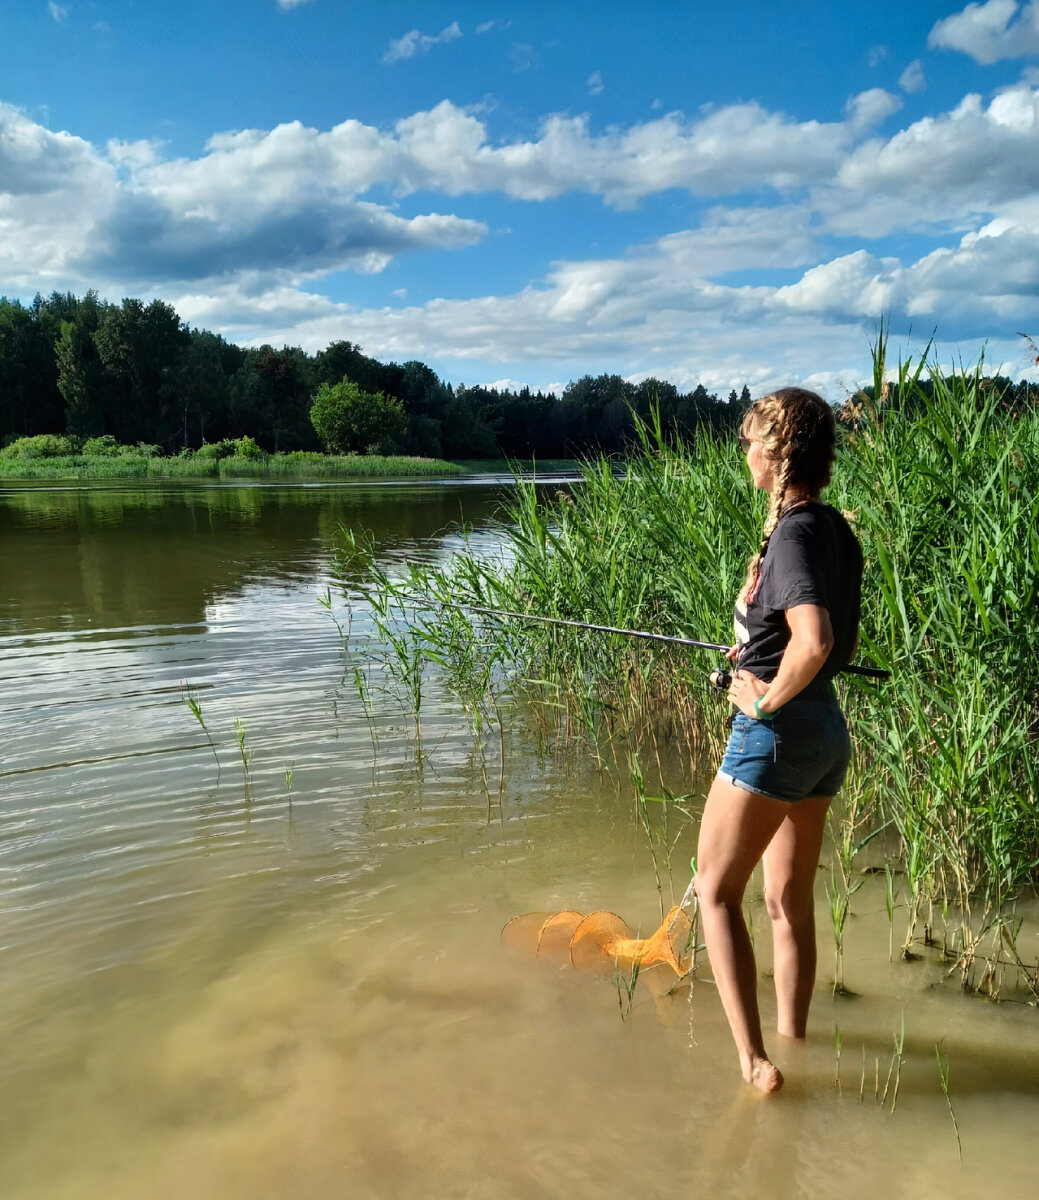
790	863
737	826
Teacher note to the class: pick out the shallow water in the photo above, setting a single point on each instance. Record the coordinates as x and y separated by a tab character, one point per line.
297	988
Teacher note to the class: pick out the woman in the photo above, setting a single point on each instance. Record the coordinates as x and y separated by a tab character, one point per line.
797	622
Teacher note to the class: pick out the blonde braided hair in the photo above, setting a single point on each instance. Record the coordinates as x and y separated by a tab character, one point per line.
795	428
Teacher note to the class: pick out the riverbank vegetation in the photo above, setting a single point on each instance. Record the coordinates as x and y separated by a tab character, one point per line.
940	477
47	456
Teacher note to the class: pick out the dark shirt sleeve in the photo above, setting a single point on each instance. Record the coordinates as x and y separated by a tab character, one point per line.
796	567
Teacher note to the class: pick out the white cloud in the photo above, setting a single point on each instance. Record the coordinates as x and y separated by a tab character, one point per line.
876	55
594	83
492	26
132	155
742	146
233	236
287	5
871	108
281	202
945	169
58	12
506	385
912	78
658	312
990	32
291	199
416	42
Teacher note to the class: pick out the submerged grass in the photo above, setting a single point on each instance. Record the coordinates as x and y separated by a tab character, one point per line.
942	486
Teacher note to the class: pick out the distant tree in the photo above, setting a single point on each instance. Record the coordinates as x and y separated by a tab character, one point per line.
347	418
343	360
140	347
75	355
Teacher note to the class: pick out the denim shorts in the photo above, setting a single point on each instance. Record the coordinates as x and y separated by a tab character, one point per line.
803	751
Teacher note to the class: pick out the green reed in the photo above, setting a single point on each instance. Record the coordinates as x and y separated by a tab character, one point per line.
941	482
943	1078
192	701
245	754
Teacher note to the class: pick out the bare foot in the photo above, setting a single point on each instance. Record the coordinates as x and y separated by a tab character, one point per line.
763	1075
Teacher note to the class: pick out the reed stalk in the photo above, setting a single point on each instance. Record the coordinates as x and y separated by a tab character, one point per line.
192	701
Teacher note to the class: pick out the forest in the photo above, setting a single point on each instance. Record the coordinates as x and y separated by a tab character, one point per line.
87	368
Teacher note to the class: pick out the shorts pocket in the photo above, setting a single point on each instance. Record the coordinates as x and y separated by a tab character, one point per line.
800	738
737	743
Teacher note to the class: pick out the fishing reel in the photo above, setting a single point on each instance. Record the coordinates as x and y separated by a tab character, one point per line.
721	678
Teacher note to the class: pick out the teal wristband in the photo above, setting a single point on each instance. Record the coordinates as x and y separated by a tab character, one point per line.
762	716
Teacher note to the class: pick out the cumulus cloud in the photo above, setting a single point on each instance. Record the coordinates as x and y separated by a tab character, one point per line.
912	78
990	32
945	169
741	146
663	310
871	108
447	149
293	198
988	281
232	235
254	201
416	42
132	155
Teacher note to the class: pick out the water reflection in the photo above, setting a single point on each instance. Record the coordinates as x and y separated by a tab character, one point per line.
75	558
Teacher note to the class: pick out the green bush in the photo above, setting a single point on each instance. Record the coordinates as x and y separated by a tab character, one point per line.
43	445
216	450
104	446
247	447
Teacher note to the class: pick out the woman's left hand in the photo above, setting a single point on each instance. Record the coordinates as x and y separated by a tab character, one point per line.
745	688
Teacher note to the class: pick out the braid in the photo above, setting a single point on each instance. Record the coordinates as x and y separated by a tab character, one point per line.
775	510
797	434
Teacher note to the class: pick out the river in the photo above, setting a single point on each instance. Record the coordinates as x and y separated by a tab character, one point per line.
285	979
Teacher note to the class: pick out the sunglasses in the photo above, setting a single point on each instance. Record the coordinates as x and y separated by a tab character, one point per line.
744	442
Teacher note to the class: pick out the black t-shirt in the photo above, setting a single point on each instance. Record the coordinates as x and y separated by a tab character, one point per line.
812	558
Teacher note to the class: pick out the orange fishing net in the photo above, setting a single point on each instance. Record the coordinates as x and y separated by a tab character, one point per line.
601	941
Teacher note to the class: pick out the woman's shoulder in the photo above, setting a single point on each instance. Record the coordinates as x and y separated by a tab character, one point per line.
812	515
816	522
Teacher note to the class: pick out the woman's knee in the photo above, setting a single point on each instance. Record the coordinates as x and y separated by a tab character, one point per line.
789	906
718	891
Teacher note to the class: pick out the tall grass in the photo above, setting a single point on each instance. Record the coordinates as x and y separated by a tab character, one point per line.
295	465
942	485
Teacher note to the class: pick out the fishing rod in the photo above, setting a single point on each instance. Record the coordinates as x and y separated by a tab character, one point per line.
720	678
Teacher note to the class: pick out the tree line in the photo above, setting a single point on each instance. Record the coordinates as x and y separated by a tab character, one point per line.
85	367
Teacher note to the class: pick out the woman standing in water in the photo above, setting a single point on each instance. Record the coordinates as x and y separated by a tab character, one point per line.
797	620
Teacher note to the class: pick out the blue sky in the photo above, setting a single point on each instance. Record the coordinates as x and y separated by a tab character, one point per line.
530	192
